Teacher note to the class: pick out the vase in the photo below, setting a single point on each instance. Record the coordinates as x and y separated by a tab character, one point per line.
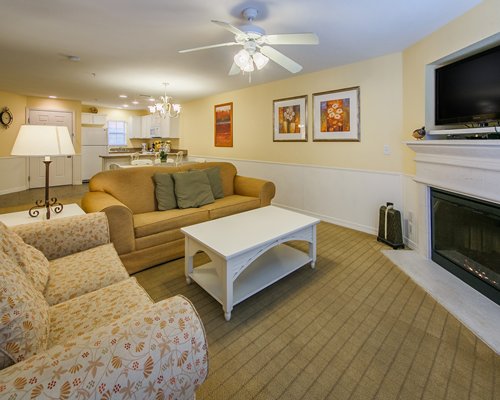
285	127
291	127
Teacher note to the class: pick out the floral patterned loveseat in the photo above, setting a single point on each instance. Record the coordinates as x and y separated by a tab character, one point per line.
73	324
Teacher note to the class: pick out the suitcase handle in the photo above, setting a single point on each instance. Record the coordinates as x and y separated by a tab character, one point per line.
390	206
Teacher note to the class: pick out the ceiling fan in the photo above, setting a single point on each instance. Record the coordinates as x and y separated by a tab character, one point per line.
255	42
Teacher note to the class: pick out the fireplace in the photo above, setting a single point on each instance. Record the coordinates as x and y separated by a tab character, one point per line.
465	239
464	174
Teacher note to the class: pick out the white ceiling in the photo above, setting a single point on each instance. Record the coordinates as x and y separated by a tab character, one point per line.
130	46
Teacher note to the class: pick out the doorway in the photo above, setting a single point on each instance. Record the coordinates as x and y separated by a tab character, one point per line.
61	168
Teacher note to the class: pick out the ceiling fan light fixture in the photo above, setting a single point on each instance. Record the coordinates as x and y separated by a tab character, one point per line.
249	67
242	58
260	60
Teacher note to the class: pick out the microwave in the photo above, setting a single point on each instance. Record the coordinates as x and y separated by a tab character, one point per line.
154	132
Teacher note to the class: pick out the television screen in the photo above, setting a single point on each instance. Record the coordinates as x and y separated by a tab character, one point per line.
469	90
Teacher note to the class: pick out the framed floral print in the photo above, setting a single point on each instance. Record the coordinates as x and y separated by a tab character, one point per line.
290	119
223	125
336	115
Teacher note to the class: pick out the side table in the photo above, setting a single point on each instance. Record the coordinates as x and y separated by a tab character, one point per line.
22	217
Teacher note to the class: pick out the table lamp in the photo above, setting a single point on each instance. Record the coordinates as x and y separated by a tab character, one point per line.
43	141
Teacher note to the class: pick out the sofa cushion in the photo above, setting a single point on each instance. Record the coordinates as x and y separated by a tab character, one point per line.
24	315
231	205
192	189
164	191
85	313
32	261
83	272
215	180
159	221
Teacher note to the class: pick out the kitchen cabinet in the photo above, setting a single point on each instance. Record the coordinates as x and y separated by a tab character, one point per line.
93	119
135	125
155	126
145	126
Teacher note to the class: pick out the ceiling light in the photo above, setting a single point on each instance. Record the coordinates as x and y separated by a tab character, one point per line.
135	102
246	58
166	108
242	58
52	97
125	105
123	96
260	60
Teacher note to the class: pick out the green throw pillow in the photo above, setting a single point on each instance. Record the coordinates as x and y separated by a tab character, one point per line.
164	191
215	182
192	189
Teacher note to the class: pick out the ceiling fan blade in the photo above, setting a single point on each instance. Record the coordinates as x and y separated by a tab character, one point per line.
292	38
229	27
208	47
235	70
281	59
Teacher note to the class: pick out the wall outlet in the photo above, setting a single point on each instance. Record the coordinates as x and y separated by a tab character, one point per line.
387	149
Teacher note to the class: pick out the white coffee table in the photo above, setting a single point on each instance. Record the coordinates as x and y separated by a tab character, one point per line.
22	217
247	252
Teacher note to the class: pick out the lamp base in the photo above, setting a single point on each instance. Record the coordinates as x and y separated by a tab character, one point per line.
51	205
47	203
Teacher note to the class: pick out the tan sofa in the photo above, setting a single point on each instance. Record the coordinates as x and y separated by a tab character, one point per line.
73	324
144	236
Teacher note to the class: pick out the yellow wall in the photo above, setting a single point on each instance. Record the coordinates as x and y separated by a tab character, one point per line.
116	114
17	106
380	81
479	23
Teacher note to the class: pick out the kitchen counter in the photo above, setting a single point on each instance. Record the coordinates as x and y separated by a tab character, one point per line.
125	157
128	154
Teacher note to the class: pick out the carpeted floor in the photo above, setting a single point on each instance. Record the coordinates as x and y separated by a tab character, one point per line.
356	327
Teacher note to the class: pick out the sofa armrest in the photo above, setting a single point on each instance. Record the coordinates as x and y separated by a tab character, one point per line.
264	190
120	219
157	352
60	237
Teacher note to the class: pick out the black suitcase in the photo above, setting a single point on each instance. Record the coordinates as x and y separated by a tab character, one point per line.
389	227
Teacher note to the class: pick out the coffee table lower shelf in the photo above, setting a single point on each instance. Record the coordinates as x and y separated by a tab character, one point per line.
270	267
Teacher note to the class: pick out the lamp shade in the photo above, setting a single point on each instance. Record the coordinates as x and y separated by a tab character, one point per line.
43	140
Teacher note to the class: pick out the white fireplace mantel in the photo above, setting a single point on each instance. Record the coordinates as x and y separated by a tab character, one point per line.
469	167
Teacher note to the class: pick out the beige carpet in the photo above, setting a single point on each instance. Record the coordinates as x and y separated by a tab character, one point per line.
356	327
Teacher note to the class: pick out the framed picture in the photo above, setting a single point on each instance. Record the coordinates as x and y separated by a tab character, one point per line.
290	119
223	125
336	115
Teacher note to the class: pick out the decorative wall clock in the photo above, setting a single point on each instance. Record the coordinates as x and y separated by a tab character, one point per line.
6	117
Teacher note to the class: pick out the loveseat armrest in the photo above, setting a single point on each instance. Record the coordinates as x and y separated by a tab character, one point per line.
253	187
60	237
159	351
120	218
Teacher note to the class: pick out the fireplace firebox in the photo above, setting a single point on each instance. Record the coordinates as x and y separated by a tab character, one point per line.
466	240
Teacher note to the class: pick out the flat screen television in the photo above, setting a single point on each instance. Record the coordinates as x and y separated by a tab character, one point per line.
468	90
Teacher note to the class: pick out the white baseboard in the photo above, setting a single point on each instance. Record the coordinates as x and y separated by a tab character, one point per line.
336	221
13	190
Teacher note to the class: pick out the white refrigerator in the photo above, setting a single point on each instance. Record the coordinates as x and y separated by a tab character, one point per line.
94	144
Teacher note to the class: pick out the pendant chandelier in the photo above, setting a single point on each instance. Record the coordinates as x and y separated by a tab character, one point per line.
166	108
